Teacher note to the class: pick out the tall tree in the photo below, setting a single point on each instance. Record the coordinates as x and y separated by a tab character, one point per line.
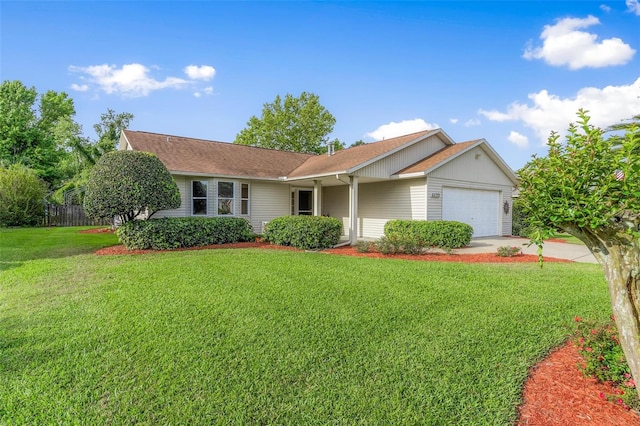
590	188
109	128
298	124
27	123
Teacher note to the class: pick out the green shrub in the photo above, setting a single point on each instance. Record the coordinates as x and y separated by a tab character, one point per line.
520	225
177	232
364	246
600	347
304	232
509	251
425	234
22	195
400	244
125	184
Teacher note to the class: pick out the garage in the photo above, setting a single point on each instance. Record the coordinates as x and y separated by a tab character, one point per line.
476	207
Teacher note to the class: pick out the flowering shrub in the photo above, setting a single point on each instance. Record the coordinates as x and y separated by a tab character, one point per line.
509	251
604	360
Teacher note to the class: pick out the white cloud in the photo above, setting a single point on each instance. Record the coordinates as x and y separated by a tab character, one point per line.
549	112
472	122
208	90
564	44
132	80
519	140
605	8
633	6
404	127
197	94
453	120
204	72
79	87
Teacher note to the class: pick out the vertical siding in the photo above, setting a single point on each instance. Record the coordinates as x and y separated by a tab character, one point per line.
403	158
335	203
397	199
473	166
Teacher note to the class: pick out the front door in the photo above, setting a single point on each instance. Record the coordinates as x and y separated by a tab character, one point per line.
302	202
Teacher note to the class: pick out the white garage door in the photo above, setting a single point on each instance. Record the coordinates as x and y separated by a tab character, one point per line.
478	208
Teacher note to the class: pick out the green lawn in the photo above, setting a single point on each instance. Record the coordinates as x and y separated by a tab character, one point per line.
569	239
271	337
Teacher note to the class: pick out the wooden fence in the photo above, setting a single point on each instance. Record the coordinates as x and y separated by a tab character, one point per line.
69	215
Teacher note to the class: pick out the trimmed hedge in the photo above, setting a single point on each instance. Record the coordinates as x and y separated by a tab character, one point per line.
304	232
177	232
436	233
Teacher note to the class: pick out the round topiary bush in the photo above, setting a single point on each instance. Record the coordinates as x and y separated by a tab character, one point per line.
125	184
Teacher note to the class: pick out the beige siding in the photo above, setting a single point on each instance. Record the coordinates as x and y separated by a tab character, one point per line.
335	203
267	201
184	209
473	170
473	166
404	158
381	201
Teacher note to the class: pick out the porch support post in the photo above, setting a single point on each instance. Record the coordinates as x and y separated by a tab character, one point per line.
353	209
317	198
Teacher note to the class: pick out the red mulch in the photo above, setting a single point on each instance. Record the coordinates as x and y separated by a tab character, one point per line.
555	394
443	257
96	231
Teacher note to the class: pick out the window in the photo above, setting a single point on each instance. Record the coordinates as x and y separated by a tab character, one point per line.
244	199
198	197
225	198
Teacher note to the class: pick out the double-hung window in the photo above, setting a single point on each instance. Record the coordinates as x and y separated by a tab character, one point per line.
225	198
199	197
244	199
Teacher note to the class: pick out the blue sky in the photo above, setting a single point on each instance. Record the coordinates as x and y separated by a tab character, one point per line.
506	71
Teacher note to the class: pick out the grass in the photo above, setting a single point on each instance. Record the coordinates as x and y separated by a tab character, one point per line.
261	337
568	238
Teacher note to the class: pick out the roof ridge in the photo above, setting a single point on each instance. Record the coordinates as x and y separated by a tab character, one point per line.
220	142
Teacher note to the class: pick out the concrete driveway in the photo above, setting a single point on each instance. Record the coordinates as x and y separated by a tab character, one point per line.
574	252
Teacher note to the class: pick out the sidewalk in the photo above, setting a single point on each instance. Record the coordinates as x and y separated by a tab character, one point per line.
574	252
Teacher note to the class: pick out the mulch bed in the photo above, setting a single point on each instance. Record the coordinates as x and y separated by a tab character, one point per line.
556	392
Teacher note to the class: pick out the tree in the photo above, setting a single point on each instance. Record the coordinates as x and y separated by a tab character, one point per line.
109	129
358	143
590	188
125	184
21	196
27	123
299	124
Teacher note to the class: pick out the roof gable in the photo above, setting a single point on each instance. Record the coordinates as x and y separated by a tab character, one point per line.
449	153
354	158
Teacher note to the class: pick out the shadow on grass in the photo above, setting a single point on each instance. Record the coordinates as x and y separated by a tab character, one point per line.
24	244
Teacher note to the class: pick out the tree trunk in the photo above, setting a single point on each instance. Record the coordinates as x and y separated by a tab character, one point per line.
619	256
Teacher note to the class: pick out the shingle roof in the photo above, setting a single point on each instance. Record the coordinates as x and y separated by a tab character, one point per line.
180	154
437	158
189	155
349	158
